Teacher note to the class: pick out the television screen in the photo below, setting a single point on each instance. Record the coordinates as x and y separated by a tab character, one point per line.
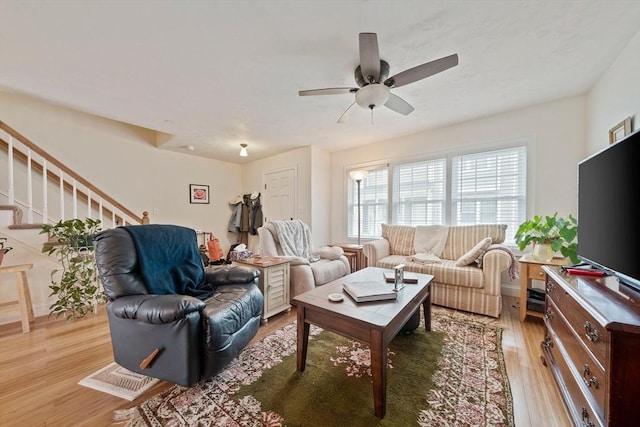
608	213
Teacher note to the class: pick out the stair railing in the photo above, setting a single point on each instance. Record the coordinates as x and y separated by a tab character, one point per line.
25	159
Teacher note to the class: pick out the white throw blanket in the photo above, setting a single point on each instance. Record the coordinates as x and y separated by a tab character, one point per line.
430	239
424	258
294	237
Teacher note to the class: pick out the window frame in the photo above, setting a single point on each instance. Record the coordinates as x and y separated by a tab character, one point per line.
523	143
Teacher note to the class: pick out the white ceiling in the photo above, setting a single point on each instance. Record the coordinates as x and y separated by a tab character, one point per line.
215	74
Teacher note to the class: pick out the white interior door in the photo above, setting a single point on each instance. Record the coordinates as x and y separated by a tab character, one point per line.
280	194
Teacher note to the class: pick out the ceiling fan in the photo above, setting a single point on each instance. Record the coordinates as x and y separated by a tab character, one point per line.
373	81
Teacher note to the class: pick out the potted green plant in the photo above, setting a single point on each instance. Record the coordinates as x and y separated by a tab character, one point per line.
549	234
77	291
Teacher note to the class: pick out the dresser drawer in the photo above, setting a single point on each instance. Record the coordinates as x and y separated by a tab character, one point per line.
592	374
593	335
579	406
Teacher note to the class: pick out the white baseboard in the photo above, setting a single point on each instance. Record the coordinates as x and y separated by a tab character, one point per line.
510	290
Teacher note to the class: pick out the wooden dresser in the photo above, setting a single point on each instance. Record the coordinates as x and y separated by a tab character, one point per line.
592	345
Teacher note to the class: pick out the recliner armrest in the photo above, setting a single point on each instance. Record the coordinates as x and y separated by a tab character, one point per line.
231	275
156	309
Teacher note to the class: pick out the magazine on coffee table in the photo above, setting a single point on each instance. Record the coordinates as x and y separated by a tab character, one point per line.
390	277
369	291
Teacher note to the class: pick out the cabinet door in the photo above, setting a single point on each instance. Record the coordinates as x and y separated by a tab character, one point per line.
276	292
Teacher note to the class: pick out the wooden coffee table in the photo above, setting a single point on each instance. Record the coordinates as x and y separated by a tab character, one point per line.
371	323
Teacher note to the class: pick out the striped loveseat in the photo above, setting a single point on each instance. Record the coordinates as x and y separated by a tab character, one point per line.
466	265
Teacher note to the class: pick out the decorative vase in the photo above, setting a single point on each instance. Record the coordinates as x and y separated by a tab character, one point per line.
542	252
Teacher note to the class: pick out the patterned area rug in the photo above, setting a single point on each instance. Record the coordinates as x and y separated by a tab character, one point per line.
118	381
453	376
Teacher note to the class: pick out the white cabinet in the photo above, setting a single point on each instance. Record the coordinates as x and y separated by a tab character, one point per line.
274	284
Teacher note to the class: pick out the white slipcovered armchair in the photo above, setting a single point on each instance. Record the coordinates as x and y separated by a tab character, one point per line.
291	240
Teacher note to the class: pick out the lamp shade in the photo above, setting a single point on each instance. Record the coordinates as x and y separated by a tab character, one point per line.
373	95
358	175
243	150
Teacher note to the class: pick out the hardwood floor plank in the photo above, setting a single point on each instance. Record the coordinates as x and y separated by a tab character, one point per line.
39	371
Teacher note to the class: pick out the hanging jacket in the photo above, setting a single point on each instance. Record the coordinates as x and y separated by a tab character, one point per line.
256	216
236	217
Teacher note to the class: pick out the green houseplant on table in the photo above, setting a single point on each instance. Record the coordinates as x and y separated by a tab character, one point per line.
549	234
77	290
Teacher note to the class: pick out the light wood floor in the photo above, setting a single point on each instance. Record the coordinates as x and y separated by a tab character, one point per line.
39	372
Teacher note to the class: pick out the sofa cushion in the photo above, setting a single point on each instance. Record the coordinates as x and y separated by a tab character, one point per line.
462	238
400	238
446	272
474	253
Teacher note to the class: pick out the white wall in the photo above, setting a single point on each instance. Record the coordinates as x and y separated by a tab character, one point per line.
122	160
555	132
614	97
321	200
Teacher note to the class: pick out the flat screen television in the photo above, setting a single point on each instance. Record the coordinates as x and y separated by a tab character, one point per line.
608	213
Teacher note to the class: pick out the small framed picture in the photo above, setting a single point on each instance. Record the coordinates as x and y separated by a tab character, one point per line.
620	130
199	193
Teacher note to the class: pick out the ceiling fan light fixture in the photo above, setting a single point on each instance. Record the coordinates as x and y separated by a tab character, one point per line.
372	96
243	150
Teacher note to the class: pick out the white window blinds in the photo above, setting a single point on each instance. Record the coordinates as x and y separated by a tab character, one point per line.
374	203
419	196
490	187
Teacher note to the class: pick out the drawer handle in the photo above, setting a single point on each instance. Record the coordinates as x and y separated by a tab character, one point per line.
547	343
592	334
549	314
549	287
585	418
590	382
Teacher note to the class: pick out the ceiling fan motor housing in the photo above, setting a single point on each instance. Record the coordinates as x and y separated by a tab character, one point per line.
362	81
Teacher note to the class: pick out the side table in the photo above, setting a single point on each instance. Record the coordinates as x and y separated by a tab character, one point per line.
531	269
24	296
360	259
274	283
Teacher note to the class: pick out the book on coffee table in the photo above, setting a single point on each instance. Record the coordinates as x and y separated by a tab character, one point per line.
390	277
369	291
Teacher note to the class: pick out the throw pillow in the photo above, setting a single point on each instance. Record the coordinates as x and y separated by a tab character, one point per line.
475	252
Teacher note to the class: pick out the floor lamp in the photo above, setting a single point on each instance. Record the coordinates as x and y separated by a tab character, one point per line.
358	176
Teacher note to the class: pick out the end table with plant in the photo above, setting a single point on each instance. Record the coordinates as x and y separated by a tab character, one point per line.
548	235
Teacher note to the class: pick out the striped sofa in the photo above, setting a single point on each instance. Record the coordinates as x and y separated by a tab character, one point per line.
474	287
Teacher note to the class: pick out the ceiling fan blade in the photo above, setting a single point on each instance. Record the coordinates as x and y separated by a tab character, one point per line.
398	105
328	91
369	56
345	112
422	71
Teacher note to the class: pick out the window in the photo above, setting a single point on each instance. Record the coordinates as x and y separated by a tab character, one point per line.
374	196
489	187
419	193
486	187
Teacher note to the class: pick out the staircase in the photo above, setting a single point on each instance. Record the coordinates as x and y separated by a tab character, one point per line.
37	188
